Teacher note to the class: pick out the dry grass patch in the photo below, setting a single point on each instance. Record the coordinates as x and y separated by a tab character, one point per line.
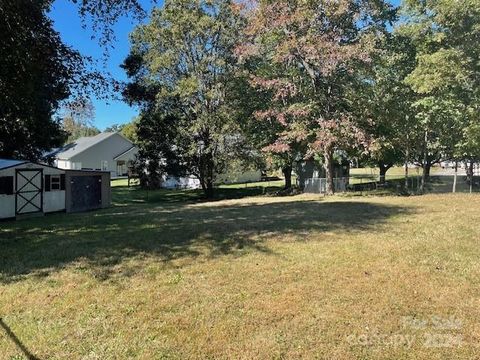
261	277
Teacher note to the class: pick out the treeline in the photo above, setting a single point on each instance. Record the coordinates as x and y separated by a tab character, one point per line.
266	81
292	80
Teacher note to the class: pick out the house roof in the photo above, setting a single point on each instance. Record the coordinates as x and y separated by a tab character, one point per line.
8	163
125	152
79	145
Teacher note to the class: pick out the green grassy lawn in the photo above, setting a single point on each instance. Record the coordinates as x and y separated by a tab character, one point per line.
261	184
359	175
120	182
165	275
393	173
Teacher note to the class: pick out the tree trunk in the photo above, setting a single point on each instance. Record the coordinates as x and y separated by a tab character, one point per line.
209	189
425	177
383	171
426	168
455	178
407	159
207	175
470	175
469	168
287	173
330	187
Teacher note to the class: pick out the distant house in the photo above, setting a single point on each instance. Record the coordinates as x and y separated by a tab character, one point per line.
239	176
187	182
231	177
114	153
106	152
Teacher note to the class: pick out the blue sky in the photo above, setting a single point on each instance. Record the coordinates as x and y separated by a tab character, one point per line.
68	24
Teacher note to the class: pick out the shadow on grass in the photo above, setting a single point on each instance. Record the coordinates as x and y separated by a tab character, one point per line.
99	241
123	195
18	343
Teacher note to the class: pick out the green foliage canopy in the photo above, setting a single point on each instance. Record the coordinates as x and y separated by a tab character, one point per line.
184	56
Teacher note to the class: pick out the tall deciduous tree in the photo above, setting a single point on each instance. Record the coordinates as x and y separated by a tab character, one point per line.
35	73
447	73
389	103
262	130
184	55
38	72
312	51
156	132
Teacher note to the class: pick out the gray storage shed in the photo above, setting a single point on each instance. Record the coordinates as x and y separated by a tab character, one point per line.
87	190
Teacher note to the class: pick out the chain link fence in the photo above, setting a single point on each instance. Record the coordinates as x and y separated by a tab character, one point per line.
395	184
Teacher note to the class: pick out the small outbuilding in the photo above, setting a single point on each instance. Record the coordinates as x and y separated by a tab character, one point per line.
87	190
28	188
311	174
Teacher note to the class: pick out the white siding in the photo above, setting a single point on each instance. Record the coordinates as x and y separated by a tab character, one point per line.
63	164
180	183
7	206
104	153
7	202
129	156
52	200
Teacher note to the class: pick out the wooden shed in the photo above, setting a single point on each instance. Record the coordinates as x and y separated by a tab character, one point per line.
28	189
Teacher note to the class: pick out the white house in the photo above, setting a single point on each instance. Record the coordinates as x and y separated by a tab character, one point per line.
105	152
240	176
113	152
188	182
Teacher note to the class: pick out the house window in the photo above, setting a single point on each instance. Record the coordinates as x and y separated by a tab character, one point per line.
104	165
54	182
6	185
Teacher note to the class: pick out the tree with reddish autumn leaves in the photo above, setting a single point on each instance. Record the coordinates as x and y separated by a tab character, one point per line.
310	53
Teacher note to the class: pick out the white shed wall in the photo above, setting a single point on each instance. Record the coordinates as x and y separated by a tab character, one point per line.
7	202
52	200
7	206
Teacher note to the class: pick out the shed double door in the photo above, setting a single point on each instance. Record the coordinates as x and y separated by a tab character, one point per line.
29	191
86	193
